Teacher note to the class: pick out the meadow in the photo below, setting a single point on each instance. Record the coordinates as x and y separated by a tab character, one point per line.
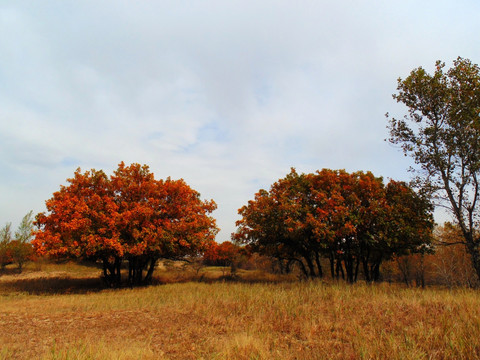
63	312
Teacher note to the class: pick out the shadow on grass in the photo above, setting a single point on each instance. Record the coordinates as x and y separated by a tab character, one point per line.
52	285
10	271
64	284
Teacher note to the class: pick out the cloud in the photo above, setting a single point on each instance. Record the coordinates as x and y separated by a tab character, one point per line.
227	95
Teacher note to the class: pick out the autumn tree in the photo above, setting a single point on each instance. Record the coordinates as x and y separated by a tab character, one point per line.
407	223
80	222
369	222
441	132
275	224
129	216
351	219
224	254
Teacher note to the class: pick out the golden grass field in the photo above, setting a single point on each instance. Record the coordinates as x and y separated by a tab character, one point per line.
61	312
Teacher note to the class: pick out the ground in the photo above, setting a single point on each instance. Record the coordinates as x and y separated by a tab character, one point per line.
62	312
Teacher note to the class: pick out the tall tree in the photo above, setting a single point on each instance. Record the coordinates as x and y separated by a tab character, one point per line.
441	131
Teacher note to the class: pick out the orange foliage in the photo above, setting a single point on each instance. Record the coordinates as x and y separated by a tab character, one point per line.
352	219
128	215
221	254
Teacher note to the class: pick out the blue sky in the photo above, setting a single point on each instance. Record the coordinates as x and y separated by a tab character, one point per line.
227	95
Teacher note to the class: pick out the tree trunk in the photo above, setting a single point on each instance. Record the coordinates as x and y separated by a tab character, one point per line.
420	278
288	270
349	268
376	271
356	269
130	272
111	272
348	260
118	276
280	265
105	271
473	249
136	265
339	269
310	265
148	277
302	266
332	264
319	265
366	271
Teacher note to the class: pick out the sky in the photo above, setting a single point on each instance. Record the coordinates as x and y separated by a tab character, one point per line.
228	95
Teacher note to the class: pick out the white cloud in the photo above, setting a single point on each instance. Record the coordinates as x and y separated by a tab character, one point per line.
227	95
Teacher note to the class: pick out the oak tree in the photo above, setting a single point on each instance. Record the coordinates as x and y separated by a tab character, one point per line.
129	216
350	219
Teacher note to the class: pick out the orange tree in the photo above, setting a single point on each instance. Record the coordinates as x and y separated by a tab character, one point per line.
275	223
224	255
129	216
351	219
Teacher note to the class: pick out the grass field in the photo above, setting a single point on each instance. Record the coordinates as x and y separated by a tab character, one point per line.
61	312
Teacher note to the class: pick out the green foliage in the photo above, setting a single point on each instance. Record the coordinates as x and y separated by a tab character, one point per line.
5	239
441	132
16	249
21	247
24	231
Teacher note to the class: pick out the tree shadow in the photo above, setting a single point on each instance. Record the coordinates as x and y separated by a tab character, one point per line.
65	284
10	271
52	285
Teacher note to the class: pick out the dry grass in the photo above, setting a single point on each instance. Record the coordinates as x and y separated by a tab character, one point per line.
236	320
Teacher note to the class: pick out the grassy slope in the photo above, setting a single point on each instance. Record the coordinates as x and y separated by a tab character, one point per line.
227	320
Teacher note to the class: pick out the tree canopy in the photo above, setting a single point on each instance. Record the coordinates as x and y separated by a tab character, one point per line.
351	219
127	216
441	132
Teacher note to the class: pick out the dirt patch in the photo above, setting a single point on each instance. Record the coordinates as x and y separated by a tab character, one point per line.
164	333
